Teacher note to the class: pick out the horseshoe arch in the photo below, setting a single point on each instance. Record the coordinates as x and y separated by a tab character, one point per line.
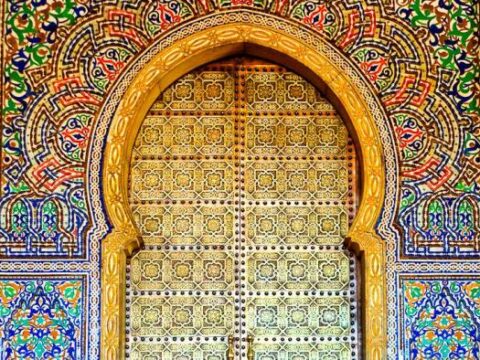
187	54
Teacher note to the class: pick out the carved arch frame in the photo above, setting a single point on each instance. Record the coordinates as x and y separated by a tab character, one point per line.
178	59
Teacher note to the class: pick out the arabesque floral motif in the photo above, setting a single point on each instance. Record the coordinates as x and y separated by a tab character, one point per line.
452	36
41	319
442	319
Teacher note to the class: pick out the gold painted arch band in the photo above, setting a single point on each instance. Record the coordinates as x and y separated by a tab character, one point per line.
177	60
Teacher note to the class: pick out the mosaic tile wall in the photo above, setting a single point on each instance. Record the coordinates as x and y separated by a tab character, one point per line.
60	59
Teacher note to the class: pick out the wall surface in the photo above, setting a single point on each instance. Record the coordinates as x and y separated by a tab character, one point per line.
60	62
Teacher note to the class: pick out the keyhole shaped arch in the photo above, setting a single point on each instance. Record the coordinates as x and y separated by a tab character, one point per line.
184	56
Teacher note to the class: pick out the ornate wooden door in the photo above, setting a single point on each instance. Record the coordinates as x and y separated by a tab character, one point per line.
243	184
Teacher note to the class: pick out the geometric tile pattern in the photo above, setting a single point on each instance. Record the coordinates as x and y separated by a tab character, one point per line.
244	216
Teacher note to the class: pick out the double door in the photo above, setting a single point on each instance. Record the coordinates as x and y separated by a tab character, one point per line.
243	185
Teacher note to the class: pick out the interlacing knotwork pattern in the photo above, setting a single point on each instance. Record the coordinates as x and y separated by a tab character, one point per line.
427	87
41	215
243	186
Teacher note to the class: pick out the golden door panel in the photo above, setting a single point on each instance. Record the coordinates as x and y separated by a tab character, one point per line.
310	316
279	90
162	135
295	225
182	316
186	224
157	180
207	90
178	351
274	270
324	180
182	270
296	136
243	185
335	350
